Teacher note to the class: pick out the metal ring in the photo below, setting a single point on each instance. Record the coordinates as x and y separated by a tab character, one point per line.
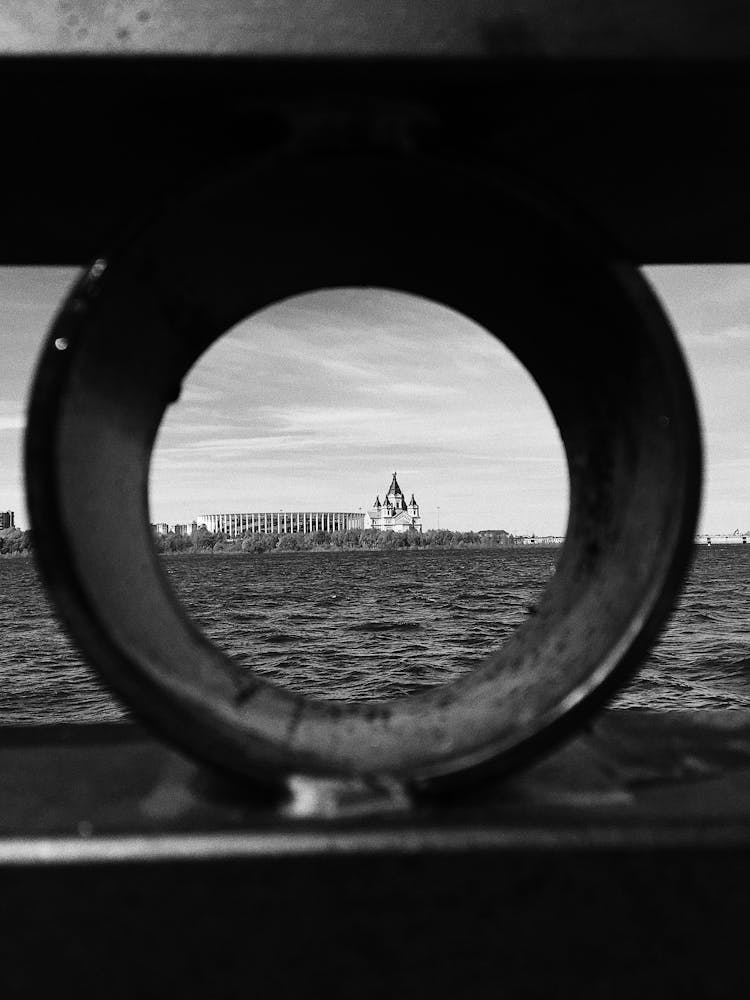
587	328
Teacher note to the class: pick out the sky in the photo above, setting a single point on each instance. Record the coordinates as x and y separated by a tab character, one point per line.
313	403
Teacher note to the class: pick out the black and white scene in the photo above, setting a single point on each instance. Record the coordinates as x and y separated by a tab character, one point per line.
374	500
361	494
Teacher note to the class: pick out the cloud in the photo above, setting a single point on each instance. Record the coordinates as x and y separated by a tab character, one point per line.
417	390
234	445
732	332
195	394
741	332
350	369
306	418
12	416
12	423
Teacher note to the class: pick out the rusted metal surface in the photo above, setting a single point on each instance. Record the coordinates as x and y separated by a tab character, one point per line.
628	110
607	923
619	866
534	30
634	780
94	144
511	258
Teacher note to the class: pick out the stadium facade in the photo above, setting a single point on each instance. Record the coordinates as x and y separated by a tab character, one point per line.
281	522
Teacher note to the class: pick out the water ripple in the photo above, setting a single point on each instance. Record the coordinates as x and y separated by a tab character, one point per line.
358	626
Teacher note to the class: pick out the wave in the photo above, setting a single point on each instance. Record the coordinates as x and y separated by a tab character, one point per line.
716	666
386	627
316	626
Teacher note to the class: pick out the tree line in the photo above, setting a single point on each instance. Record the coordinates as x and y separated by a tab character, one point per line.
14	542
353	539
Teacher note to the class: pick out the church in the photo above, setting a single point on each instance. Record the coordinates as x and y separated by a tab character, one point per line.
394	514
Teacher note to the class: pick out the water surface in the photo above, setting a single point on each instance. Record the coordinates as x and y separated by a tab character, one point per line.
364	625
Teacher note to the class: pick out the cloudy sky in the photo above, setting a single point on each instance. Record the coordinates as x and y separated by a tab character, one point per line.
312	404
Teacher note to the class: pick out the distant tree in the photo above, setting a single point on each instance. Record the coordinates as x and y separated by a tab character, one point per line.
259	542
175	543
14	542
289	542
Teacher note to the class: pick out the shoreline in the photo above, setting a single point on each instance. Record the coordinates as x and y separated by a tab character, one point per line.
352	540
362	551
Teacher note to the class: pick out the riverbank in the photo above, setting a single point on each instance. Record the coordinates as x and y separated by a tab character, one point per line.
365	540
14	542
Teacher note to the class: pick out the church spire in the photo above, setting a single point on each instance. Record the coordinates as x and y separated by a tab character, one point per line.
394	489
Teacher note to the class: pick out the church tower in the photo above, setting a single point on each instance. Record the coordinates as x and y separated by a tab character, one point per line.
375	514
394	514
395	496
413	509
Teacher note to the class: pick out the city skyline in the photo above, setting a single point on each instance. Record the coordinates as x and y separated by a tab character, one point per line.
312	403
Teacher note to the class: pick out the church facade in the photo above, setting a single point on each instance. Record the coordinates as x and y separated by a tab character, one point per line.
394	514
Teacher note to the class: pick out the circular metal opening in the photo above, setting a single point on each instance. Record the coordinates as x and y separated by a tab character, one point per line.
588	330
286	430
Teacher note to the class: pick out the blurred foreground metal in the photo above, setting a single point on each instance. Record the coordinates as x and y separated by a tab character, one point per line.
618	866
591	884
516	260
632	110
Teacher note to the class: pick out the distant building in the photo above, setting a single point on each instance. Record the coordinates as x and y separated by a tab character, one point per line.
7	519
736	538
161	529
181	529
540	540
394	514
496	536
281	522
